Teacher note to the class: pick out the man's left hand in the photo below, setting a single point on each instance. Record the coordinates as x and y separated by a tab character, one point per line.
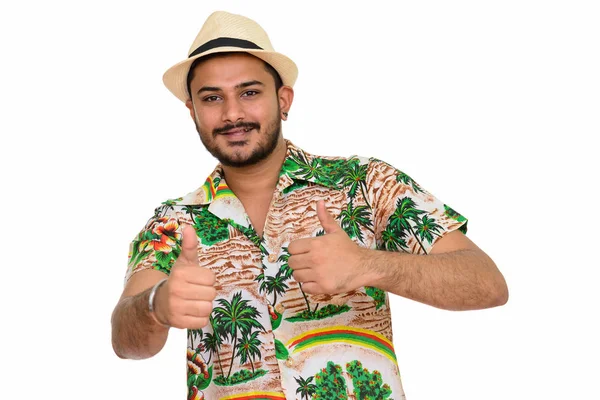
328	264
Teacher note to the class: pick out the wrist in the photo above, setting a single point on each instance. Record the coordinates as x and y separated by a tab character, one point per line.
377	268
366	270
152	304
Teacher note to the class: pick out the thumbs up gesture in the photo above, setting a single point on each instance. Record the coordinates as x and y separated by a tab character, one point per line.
185	300
328	264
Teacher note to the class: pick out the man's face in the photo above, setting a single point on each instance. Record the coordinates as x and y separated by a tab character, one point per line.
236	109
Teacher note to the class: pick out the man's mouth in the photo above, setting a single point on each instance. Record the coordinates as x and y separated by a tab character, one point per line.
235	131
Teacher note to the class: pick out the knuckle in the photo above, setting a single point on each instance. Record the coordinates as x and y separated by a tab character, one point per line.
211	277
292	262
204	308
202	322
211	293
315	258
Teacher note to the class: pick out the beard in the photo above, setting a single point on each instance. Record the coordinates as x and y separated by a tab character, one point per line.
266	145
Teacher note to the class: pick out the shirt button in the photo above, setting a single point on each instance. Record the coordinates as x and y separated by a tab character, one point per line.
280	308
289	362
272	258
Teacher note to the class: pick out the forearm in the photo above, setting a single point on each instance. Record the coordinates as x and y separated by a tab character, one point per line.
458	280
135	334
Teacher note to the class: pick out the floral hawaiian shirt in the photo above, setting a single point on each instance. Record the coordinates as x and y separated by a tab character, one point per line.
267	338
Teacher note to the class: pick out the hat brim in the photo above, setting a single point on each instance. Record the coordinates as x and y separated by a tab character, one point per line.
175	78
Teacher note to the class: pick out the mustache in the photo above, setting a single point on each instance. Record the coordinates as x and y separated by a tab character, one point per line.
243	125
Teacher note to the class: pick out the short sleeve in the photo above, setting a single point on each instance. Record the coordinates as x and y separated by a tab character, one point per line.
406	217
158	245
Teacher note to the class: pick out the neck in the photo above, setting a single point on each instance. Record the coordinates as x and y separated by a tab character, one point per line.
259	178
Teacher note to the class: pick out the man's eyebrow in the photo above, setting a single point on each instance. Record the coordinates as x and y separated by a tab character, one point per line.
238	86
209	89
249	83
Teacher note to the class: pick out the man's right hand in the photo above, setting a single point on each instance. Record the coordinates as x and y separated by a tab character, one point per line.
185	300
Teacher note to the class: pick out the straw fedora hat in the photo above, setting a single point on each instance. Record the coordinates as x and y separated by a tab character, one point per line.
225	32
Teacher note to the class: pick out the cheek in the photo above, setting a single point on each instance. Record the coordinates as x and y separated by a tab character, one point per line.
265	112
207	121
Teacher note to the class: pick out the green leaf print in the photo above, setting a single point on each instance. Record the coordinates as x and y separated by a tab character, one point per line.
281	352
200	381
377	294
325	312
367	385
457	217
210	228
331	172
330	383
241	376
276	319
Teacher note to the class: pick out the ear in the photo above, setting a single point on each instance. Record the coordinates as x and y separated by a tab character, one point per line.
190	106
285	97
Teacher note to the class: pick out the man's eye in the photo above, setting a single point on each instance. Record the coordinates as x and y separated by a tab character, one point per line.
210	99
250	93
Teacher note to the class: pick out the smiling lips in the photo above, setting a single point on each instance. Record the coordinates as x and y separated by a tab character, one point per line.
237	132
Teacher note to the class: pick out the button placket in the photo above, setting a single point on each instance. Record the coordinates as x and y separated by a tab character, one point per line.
280	308
289	362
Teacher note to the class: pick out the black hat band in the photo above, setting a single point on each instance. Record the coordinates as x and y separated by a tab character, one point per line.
225	42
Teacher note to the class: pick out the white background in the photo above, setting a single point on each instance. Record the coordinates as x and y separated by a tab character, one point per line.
491	106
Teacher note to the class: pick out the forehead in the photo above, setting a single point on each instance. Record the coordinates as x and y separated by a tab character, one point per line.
229	69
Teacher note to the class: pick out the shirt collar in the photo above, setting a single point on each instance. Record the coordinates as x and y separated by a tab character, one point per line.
298	166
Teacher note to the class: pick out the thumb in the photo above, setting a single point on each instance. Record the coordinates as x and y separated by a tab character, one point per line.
327	221
189	245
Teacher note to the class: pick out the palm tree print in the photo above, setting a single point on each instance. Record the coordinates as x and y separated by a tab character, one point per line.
212	342
193	334
353	218
275	285
394	239
249	348
355	179
427	227
407	180
319	170
298	164
285	269
305	388
286	272
235	316
405	213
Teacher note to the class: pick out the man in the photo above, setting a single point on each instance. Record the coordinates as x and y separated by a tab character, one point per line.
280	264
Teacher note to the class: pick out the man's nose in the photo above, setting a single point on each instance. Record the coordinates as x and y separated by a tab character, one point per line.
233	111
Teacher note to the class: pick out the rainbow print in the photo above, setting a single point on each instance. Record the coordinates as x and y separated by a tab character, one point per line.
223	190
256	396
343	334
211	193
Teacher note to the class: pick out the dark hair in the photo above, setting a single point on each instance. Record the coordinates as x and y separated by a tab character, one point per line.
268	68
